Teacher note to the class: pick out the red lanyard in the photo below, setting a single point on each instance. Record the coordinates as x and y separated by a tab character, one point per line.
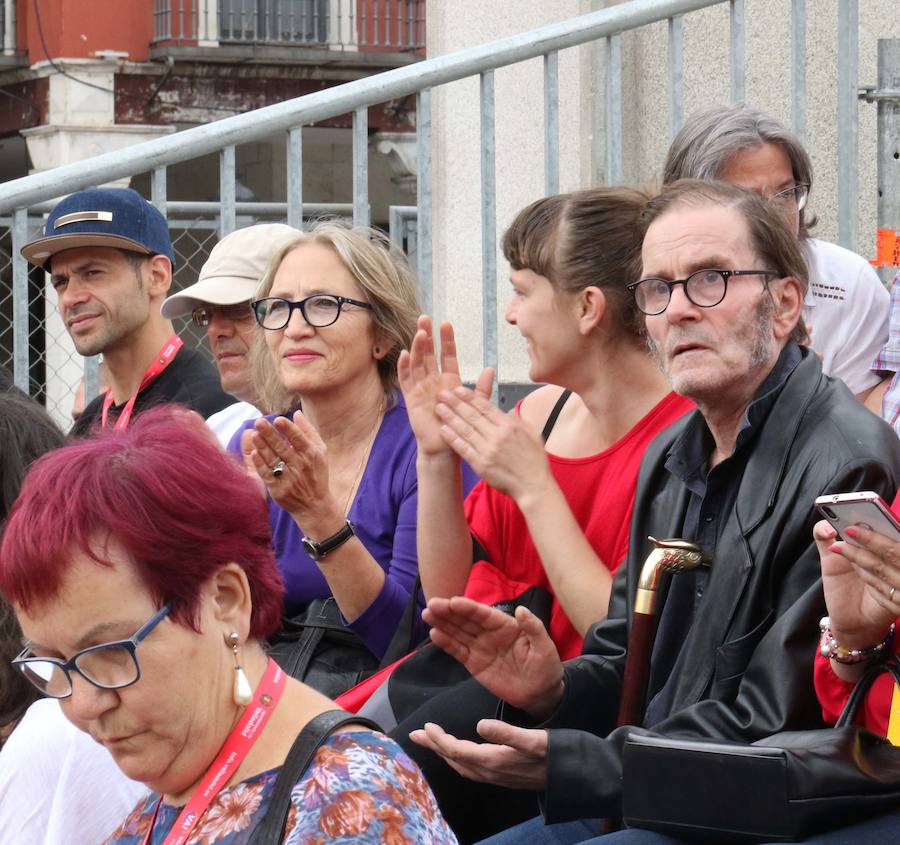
233	752
160	362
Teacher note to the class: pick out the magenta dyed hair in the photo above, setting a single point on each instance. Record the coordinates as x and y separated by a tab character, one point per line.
164	490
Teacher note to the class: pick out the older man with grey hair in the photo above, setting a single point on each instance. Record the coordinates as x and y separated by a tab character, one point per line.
846	306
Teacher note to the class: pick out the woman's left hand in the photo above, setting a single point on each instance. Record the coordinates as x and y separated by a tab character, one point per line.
499	447
302	488
861	583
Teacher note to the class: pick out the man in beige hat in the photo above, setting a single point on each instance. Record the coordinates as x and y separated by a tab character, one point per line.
220	303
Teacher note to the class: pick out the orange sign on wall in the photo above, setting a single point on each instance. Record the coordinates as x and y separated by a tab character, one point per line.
888	249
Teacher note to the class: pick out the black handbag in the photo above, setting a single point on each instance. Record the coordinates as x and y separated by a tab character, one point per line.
779	789
316	647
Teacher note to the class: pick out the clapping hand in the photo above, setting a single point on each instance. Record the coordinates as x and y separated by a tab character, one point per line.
291	460
512	656
422	380
500	447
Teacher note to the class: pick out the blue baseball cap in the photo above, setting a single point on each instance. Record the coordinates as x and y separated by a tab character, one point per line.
114	217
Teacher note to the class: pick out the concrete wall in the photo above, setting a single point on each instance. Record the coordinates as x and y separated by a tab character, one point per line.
519	92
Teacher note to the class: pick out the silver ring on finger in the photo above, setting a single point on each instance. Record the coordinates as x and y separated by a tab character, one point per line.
278	469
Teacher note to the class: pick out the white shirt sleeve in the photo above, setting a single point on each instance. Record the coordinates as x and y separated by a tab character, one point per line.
849	314
226	422
57	786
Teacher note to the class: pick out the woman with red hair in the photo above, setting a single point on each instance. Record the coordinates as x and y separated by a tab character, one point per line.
140	567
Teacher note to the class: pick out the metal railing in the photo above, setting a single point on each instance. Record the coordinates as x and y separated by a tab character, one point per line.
278	21
8	26
356	97
397	25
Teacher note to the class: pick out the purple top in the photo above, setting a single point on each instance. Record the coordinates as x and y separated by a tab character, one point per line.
384	515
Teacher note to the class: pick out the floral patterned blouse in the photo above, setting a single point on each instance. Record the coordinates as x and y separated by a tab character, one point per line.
361	788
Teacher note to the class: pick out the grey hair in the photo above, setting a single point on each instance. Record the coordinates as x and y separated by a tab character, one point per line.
711	136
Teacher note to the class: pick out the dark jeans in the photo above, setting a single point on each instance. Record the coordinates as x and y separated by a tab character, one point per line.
474	810
883	830
535	832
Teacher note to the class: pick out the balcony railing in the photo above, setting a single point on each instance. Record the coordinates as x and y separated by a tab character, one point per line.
393	25
8	27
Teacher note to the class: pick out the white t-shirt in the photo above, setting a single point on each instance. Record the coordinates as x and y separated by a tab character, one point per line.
58	786
847	307
226	422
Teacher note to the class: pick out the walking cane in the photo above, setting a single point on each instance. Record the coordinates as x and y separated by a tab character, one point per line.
669	556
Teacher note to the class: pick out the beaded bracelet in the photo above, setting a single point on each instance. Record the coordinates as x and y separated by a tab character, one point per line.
829	647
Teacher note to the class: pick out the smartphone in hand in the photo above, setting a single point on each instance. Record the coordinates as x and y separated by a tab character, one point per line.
866	508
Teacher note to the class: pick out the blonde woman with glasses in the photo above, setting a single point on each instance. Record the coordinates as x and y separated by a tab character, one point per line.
335	309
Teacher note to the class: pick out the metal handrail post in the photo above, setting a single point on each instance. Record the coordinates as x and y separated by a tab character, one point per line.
489	229
848	116
798	67
21	362
738	85
423	199
676	75
551	123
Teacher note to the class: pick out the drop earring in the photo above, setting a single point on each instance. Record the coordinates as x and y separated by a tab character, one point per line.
242	692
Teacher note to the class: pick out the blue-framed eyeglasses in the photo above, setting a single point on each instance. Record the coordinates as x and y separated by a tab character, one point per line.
705	288
107	666
319	310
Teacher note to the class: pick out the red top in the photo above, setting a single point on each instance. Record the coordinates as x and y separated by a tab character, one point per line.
600	493
833	691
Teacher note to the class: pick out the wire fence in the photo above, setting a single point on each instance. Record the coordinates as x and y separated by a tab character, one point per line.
55	368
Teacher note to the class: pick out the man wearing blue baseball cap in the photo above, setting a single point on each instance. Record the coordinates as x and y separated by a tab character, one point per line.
110	261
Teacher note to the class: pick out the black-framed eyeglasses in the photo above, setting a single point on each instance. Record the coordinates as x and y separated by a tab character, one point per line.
791	198
705	288
107	666
319	310
201	316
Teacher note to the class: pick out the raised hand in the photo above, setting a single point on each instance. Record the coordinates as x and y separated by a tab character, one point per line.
861	583
421	380
513	657
512	757
501	448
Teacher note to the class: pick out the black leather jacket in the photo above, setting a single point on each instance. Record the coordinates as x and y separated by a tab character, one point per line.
748	671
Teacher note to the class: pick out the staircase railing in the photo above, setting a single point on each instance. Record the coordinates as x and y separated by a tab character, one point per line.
221	137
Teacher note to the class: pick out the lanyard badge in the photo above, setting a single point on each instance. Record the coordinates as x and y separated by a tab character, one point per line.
159	363
236	747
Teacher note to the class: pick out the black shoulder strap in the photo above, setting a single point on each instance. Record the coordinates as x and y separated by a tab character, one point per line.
890	664
554	414
316	731
402	643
